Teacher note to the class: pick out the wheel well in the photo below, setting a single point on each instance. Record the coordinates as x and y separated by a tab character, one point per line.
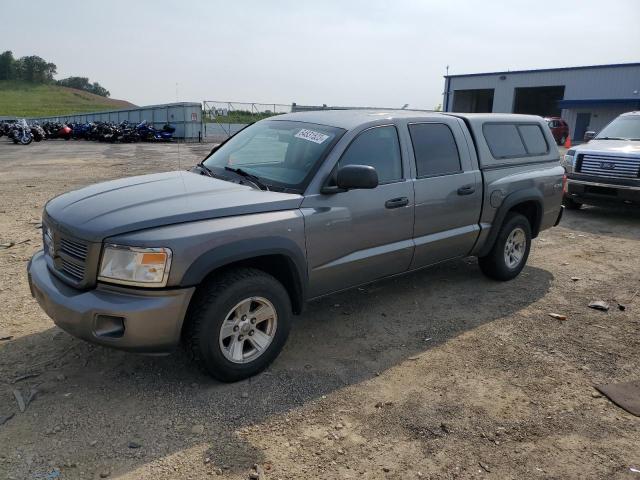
280	267
532	211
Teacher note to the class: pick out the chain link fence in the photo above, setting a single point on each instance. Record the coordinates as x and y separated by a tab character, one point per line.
222	119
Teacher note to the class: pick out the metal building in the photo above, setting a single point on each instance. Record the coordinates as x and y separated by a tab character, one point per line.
186	117
587	98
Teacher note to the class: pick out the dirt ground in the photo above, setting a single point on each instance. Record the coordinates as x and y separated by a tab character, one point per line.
441	374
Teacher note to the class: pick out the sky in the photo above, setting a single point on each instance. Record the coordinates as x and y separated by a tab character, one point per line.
353	53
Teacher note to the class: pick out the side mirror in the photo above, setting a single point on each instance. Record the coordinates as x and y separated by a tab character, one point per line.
357	176
589	135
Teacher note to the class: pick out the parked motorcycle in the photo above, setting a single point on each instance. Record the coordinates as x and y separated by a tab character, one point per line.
37	132
6	127
150	134
21	133
57	130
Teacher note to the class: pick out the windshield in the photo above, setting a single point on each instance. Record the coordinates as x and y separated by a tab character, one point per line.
626	128
280	153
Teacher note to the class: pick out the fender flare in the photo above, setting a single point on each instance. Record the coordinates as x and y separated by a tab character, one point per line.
510	201
247	249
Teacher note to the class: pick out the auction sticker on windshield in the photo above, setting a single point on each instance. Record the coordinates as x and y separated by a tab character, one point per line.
315	137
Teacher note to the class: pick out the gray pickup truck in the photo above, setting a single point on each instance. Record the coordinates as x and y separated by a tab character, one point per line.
606	170
288	210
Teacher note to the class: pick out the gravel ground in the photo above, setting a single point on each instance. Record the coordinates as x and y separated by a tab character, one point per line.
440	374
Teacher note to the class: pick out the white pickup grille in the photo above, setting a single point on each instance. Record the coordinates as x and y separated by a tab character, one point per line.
610	167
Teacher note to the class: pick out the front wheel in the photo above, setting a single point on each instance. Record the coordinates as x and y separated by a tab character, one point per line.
509	254
237	324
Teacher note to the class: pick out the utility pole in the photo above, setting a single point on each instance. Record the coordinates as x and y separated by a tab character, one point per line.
445	99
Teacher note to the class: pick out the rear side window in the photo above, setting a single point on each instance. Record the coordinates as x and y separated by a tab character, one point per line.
378	147
508	140
434	149
533	139
504	140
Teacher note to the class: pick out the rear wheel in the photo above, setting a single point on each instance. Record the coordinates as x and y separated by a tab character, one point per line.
571	204
237	324
511	249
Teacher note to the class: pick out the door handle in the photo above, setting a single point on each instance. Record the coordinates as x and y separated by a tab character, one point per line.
397	202
466	190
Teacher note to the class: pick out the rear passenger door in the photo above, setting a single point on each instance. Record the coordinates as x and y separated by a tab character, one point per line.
448	190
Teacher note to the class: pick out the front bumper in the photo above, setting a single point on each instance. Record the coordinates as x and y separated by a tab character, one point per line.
144	321
583	191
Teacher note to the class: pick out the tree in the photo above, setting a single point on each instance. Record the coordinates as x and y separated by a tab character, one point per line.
34	69
7	65
82	83
99	90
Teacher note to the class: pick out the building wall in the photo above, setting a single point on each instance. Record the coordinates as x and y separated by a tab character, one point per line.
584	83
580	83
600	116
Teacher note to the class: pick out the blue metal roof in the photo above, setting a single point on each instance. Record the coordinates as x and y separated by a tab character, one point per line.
597	101
562	69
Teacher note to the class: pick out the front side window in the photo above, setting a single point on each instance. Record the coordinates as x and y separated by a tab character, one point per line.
378	147
434	149
280	153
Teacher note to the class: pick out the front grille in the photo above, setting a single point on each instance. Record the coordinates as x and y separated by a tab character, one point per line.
72	269
70	257
74	248
609	167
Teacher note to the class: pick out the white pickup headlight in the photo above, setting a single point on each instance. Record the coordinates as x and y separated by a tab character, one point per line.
142	267
567	161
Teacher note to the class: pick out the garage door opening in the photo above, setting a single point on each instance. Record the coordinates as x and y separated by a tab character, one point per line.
541	101
473	101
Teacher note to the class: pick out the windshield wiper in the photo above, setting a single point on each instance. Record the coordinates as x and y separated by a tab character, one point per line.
610	138
206	170
248	176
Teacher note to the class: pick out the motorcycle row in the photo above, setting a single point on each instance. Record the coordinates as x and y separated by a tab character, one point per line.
23	133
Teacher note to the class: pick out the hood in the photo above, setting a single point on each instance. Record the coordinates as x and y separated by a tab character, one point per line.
105	209
621	148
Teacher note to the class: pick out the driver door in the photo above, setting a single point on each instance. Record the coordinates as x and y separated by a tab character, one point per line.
358	236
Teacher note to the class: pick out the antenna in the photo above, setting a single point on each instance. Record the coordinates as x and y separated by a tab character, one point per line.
184	126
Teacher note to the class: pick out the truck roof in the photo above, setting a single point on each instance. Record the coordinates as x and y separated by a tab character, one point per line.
349	119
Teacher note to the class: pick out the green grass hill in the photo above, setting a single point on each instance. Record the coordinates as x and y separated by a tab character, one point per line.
18	99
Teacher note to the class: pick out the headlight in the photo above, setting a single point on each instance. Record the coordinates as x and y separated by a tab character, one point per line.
567	161
142	267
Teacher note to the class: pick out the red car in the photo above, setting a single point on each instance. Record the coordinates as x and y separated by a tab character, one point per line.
559	129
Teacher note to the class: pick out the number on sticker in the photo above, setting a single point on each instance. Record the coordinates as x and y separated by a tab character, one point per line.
310	135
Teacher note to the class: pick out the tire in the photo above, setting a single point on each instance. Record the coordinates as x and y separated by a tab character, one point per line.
495	265
571	204
218	304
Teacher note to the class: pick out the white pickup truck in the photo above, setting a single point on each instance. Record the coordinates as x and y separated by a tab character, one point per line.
606	170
